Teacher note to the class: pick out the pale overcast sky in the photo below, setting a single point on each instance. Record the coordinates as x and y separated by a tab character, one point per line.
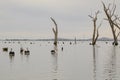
31	18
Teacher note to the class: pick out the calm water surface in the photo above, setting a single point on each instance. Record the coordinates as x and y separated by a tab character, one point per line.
79	61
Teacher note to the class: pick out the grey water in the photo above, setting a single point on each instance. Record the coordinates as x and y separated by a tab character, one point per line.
79	61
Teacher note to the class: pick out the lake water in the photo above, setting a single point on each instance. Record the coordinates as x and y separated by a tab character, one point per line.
79	61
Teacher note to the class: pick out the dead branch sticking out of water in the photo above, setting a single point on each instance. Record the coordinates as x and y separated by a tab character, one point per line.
55	31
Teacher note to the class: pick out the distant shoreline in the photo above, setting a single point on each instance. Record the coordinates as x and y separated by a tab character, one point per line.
60	39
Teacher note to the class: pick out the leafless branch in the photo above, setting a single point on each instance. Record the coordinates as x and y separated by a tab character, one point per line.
118	34
53	21
55	31
112	19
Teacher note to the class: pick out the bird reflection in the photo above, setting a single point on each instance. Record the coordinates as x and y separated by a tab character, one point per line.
55	64
27	58
11	57
110	67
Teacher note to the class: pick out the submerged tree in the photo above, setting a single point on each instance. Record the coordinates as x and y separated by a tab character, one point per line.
95	30
55	31
113	20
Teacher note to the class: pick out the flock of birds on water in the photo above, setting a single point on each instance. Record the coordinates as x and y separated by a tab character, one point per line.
12	53
27	52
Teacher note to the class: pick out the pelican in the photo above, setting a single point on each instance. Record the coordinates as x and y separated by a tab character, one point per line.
11	53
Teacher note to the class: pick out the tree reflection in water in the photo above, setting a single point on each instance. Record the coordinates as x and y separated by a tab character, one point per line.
95	52
110	65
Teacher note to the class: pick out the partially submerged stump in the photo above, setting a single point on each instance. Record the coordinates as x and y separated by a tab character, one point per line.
55	31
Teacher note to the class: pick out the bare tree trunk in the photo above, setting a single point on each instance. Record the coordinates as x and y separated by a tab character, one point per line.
96	36
95	31
112	19
55	31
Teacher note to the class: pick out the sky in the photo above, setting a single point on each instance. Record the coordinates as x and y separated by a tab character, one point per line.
31	18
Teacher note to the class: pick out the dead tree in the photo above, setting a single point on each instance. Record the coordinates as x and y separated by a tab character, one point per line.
113	20
95	30
55	31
